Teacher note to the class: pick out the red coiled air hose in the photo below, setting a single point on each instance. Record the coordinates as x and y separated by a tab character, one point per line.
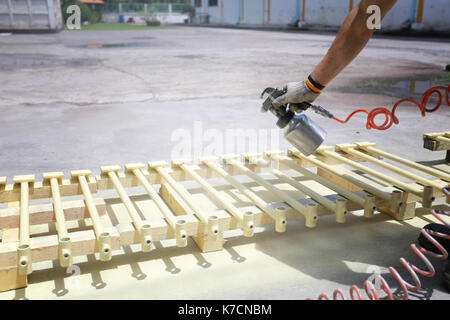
390	117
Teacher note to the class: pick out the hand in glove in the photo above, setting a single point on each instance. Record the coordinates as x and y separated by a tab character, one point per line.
298	92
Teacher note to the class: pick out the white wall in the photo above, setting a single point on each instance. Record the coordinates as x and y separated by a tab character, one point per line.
283	12
326	12
214	13
329	13
253	12
435	16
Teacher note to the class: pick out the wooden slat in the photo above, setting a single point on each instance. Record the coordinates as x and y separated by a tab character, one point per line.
44	213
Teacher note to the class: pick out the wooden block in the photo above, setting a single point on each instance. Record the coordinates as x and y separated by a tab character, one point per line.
207	245
74	174
11	279
432	142
10	235
131	166
157	164
407	211
180	162
9	276
24	178
105	169
47	176
14	204
44	213
174	201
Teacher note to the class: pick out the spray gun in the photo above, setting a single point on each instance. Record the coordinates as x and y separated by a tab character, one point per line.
299	130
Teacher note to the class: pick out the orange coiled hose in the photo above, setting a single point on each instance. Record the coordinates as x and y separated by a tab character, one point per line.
390	117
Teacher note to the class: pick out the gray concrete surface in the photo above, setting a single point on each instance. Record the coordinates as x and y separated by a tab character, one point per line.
79	100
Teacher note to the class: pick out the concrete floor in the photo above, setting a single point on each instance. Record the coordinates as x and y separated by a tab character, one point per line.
79	100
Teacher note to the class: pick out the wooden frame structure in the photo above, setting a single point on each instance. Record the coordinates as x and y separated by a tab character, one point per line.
437	141
320	184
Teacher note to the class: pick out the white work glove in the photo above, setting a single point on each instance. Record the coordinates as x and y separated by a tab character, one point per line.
297	92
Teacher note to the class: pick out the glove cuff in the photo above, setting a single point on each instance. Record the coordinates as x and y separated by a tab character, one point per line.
313	85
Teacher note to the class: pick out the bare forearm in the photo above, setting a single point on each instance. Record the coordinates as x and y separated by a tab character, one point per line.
351	39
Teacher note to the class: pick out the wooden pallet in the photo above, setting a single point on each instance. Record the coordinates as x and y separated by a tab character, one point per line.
437	141
266	189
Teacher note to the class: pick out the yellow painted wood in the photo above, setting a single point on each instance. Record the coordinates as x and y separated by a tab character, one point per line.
259	202
407	174
434	141
314	195
178	225
10	278
309	212
431	171
395	182
247	226
443	139
143	229
368	202
103	238
65	255
46	248
210	221
344	192
375	191
24	252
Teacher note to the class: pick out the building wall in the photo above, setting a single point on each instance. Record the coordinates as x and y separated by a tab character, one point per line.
30	15
253	12
328	13
325	12
283	12
435	16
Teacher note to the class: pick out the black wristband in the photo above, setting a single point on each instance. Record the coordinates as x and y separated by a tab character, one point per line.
315	83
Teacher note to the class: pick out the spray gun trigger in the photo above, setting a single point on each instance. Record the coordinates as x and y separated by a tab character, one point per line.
299	107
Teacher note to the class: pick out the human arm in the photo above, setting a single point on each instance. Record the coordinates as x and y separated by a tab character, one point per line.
349	42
